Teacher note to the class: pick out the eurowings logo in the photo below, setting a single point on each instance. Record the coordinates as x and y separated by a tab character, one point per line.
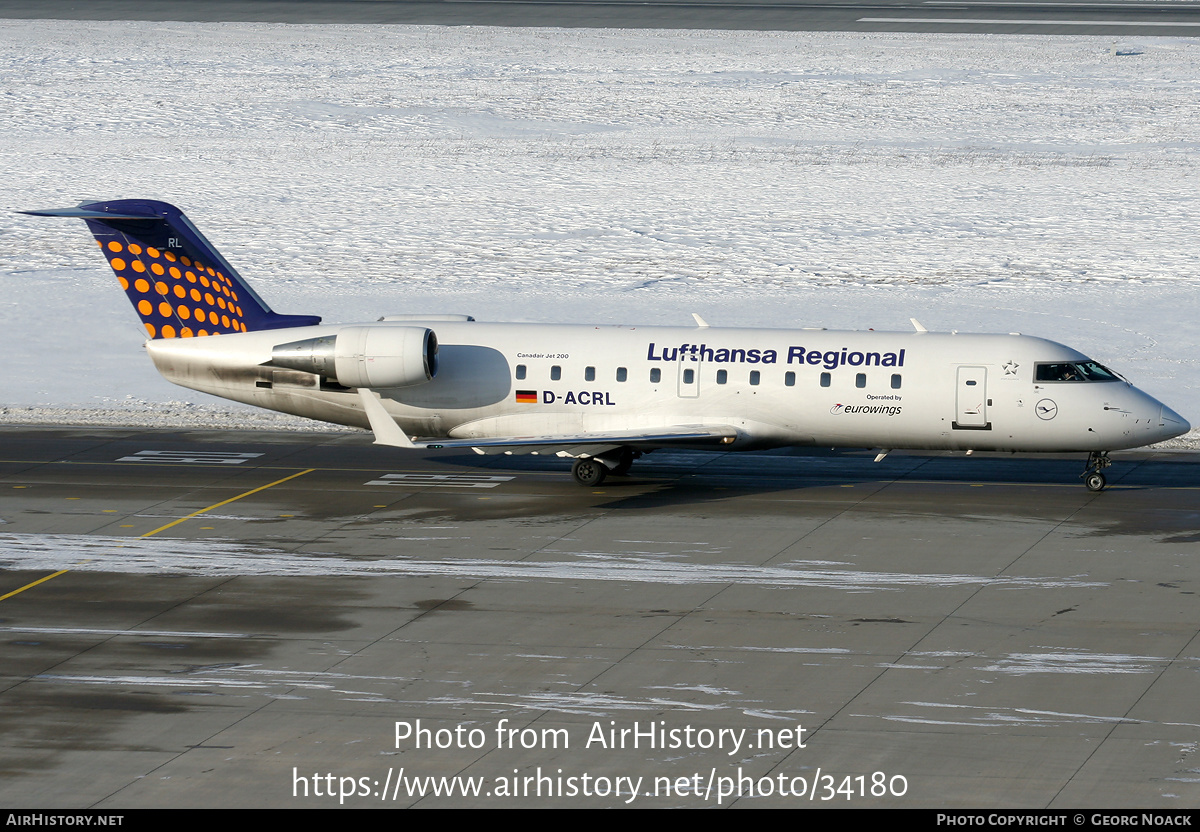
869	409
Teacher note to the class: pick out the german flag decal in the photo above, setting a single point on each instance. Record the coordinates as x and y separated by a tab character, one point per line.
527	397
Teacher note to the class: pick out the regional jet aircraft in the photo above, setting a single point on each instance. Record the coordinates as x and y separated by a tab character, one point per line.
606	395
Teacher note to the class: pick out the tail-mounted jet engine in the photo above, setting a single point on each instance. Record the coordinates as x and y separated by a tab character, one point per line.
379	357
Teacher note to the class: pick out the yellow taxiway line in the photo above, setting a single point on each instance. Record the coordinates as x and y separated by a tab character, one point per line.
169	525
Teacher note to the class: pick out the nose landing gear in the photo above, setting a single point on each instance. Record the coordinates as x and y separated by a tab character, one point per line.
1092	478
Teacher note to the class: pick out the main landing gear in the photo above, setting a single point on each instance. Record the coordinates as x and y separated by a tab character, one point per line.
1097	461
625	461
591	471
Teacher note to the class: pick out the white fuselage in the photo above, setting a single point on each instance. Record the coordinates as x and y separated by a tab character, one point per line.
775	387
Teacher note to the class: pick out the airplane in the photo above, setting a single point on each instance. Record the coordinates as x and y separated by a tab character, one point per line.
606	395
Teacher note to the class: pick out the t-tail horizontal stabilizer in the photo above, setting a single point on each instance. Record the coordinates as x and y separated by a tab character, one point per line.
179	284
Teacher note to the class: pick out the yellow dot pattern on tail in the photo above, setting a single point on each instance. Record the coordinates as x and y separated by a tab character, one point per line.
167	308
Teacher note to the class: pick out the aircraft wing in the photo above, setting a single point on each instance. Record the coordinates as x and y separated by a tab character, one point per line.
387	432
591	444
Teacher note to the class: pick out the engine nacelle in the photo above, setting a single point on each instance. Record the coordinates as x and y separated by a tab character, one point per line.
379	357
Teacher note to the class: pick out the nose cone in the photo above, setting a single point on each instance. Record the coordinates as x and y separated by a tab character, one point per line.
1170	424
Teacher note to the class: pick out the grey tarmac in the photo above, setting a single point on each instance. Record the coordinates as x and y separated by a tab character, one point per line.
1136	18
981	627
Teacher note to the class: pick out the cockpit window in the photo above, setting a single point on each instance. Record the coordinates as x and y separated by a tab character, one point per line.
1057	372
1092	371
1075	371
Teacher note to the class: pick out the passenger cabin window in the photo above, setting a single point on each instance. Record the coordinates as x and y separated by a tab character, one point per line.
754	377
622	374
655	376
826	379
860	380
589	374
520	371
555	373
895	381
789	379
722	376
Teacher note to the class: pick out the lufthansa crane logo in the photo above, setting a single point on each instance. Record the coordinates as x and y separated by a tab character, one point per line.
1046	409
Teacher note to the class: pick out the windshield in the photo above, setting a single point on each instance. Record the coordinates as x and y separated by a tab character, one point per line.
1075	371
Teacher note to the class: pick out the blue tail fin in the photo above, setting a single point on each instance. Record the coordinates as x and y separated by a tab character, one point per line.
178	283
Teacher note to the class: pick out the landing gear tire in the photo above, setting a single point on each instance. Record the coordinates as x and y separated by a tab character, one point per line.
1097	461
589	472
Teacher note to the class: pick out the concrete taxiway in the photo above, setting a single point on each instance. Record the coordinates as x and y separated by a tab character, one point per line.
242	619
1117	18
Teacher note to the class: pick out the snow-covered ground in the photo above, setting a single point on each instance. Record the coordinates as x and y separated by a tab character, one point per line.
981	183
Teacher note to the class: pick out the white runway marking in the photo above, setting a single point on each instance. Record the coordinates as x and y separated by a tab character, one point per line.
987	716
1015	3
1000	21
441	480
1065	661
196	457
1060	661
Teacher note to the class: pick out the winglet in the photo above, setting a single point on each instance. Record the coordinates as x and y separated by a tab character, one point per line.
700	322
386	431
917	325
